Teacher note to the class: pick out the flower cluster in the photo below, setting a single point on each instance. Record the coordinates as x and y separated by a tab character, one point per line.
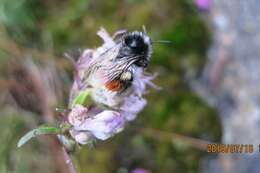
102	125
104	111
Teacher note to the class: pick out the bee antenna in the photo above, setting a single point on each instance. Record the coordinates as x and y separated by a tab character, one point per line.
144	29
163	41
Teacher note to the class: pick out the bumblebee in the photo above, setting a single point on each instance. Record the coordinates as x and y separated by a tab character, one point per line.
135	51
111	71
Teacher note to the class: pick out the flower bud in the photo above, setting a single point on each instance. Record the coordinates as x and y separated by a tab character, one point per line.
82	137
77	115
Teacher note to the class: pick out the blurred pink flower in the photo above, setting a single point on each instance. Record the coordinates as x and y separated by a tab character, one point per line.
140	170
203	4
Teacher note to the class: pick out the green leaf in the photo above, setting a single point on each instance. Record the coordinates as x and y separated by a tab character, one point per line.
42	130
83	98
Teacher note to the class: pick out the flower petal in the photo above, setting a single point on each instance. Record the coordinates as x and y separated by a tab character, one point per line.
103	125
81	137
132	106
77	115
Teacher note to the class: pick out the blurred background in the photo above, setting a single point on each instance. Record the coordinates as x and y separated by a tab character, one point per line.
192	109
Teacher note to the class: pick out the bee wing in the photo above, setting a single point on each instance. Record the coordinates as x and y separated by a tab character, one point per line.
101	59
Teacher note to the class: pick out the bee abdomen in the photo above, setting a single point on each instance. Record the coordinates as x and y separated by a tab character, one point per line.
122	83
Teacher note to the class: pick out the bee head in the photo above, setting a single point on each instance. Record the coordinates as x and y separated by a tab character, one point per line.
136	45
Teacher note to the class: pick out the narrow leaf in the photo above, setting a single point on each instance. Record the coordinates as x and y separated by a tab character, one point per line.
42	130
83	98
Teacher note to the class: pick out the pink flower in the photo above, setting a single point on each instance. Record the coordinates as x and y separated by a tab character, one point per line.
132	106
82	137
77	115
103	125
87	124
142	81
140	170
203	4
